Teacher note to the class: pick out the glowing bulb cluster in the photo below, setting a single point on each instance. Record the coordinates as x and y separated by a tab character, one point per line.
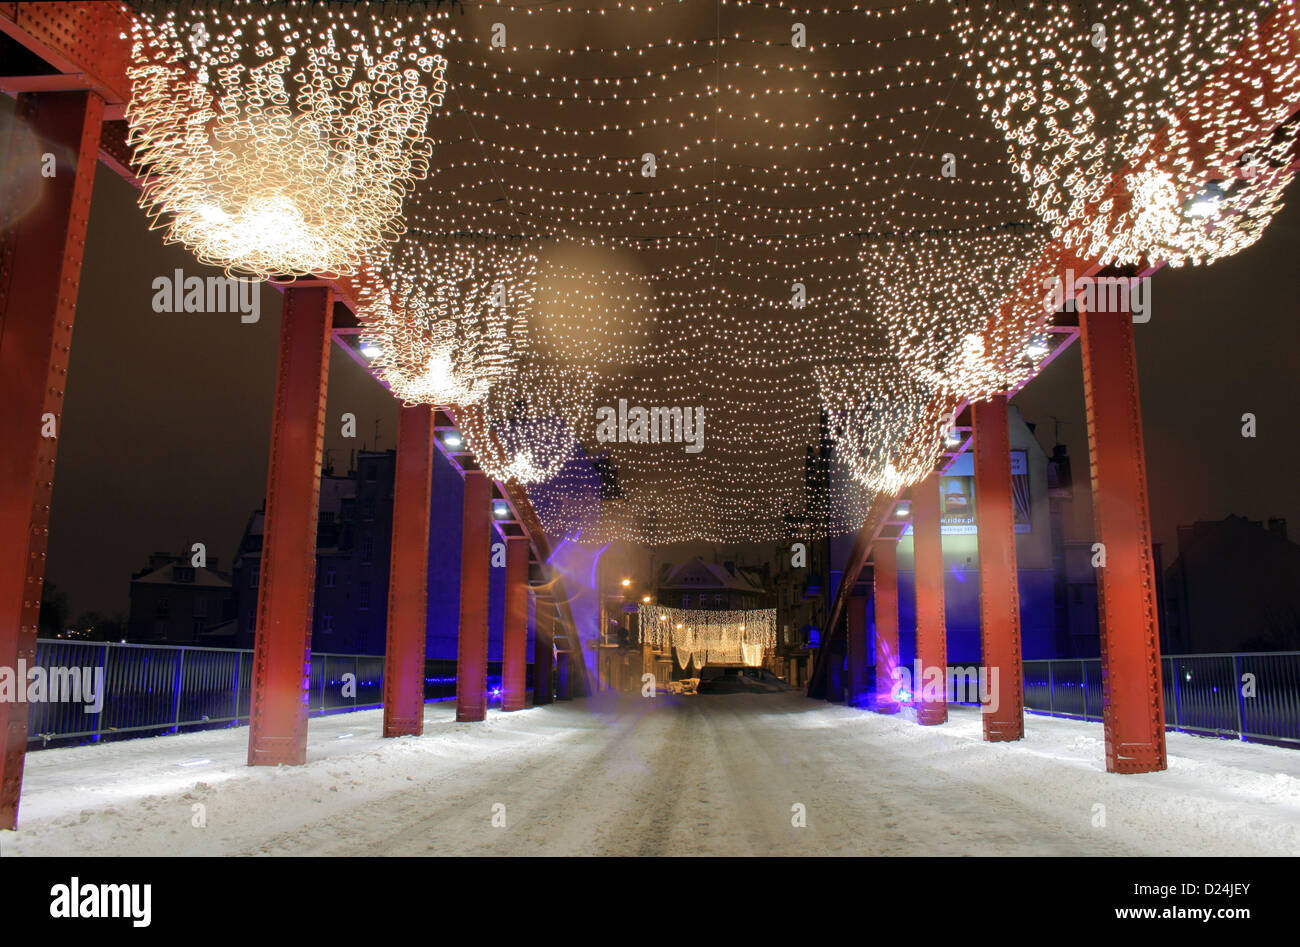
1123	130
729	637
795	259
281	139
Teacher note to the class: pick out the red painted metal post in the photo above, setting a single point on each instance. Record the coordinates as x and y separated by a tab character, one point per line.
282	646
514	650
1132	698
884	559
40	270
562	683
544	651
857	632
1004	715
931	632
472	644
409	575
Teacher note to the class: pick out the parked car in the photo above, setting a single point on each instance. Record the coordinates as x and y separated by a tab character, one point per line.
739	679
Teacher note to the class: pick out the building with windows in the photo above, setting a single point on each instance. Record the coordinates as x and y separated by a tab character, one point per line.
1039	558
175	602
1235	586
354	535
723	586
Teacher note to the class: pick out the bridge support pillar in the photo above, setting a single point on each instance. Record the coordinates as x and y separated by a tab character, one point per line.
1132	696
40	271
514	652
999	595
475	561
544	651
884	556
282	644
562	673
857	631
409	575
930	692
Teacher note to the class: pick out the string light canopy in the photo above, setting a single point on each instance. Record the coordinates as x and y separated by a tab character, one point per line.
797	222
1119	123
439	316
708	636
696	200
281	139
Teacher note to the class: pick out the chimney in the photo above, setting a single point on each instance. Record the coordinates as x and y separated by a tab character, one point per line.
1060	483
158	559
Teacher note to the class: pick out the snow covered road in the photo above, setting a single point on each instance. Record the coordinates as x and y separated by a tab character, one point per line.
673	775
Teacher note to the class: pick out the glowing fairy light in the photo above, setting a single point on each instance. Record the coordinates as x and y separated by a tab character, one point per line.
704	635
1125	129
280	139
775	166
441	314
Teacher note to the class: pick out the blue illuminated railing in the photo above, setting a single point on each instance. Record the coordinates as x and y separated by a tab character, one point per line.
1254	696
168	688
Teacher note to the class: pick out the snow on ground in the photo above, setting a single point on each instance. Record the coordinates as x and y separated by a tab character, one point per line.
670	775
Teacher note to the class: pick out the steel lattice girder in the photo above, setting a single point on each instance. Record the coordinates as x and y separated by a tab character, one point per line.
39	276
999	592
282	651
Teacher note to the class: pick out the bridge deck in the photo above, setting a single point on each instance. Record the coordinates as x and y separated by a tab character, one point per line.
673	776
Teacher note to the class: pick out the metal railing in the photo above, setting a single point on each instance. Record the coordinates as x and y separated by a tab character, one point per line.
1254	696
168	688
1204	693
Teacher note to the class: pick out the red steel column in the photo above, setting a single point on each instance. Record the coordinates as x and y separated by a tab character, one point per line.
514	649
408	582
999	595
282	646
544	651
40	270
472	643
857	635
931	632
562	669
1132	698
884	559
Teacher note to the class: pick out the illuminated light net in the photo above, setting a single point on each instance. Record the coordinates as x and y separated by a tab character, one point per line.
949	332
448	319
517	447
877	410
1130	143
442	315
707	636
281	139
773	166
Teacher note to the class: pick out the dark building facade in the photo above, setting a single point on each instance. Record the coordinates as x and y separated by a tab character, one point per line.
1235	586
354	536
175	602
720	586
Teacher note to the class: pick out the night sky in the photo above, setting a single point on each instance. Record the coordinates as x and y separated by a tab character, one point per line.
167	416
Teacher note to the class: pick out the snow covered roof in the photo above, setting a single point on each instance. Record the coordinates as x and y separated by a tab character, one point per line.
191	575
698	574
